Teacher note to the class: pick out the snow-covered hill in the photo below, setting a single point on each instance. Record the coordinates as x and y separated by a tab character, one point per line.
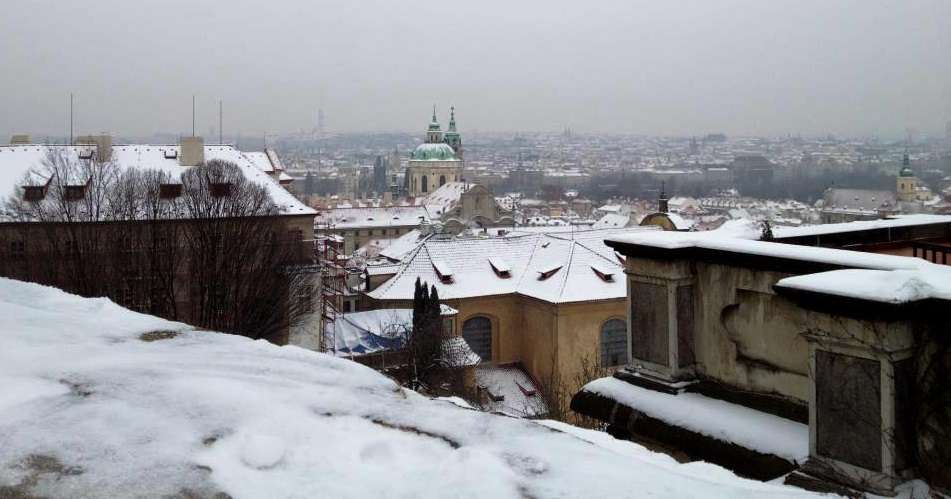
98	401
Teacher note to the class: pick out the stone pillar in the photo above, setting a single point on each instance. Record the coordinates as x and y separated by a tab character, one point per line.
860	375
661	318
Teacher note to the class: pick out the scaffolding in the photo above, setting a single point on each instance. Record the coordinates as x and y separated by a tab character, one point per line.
333	285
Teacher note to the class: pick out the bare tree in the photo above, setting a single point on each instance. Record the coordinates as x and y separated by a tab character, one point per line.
208	248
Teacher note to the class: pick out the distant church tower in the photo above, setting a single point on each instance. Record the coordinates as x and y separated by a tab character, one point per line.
452	137
434	162
907	183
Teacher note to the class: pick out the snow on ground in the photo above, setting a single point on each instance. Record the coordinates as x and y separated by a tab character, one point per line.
98	401
722	420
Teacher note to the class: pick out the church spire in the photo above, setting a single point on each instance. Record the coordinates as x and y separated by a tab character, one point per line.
434	114
662	204
452	118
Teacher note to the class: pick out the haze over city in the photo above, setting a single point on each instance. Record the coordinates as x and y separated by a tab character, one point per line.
855	68
479	249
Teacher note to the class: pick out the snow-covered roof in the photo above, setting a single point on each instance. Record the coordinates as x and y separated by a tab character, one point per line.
445	197
888	223
510	391
527	256
401	246
680	223
89	408
260	160
714	240
17	161
457	352
374	217
612	220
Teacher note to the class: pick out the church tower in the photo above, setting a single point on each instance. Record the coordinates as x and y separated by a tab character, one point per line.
434	134
433	163
907	183
453	139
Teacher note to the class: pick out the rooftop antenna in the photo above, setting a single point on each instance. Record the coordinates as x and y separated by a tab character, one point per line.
70	118
193	115
220	132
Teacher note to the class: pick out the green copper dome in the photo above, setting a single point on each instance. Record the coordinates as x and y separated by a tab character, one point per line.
434	152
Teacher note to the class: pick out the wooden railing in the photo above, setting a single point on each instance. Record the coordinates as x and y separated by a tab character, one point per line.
934	253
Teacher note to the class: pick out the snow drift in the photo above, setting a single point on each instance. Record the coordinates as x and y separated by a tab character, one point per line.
99	401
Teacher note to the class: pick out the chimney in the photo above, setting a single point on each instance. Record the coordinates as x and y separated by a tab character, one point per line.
193	151
104	147
103	143
20	139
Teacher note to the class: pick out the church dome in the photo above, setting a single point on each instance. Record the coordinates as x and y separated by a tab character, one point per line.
906	172
434	152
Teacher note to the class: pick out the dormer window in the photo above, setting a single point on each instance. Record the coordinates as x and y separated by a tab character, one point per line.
547	272
74	192
87	154
170	191
171	154
606	274
34	193
501	268
220	190
444	271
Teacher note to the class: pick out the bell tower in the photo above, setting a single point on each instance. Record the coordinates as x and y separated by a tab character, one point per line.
453	139
906	183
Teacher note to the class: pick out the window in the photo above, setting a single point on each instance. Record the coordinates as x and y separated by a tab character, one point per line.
34	192
425	184
74	192
295	235
17	249
220	190
170	191
613	343
477	332
442	180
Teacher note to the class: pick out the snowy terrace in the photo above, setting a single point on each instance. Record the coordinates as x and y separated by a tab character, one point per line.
101	401
884	278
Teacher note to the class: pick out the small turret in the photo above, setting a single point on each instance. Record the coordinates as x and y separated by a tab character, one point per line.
452	137
434	134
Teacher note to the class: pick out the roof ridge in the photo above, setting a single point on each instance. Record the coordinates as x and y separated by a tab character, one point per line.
528	263
404	265
598	254
564	280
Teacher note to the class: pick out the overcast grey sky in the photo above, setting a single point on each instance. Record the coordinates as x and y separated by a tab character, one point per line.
654	67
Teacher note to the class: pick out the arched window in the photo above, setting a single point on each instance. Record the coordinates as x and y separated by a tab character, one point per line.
442	180
613	343
425	184
477	332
